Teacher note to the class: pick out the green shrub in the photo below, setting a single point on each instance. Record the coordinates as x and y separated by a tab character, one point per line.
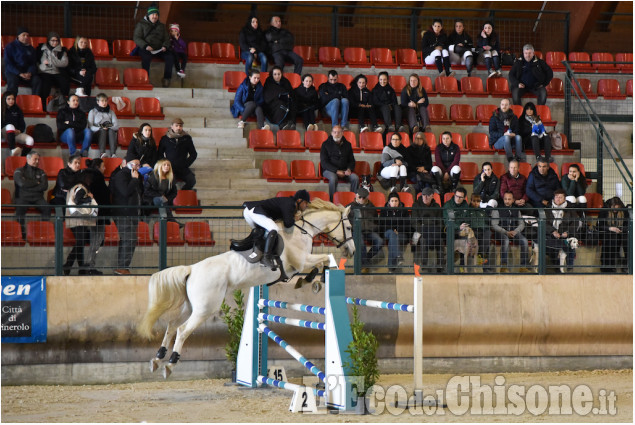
363	354
234	319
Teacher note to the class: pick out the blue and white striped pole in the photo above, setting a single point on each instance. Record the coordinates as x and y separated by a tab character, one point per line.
292	322
290	306
381	304
286	385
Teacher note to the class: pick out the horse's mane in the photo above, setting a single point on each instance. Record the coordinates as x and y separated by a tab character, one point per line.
318	204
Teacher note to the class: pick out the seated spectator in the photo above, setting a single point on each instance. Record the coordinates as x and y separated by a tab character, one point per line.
487	186
81	227
278	94
143	147
249	101
503	132
361	103
385	101
420	164
434	48
81	66
66	179
307	102
447	171
102	121
514	182
252	45
95	168
52	60
369	228
20	63
397	231
613	228
560	225
31	185
460	47
160	188
281	45
541	184
529	74
393	159
533	132
508	224
178	48
153	41
177	146
415	98
574	185
488	46
429	230
334	100
337	161
71	125
13	126
459	206
480	223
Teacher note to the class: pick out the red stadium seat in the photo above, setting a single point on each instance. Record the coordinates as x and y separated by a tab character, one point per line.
345	79
603	57
462	114
6	200
37	40
148	108
538	54
350	137
12	163
447	86
199	52
356	57
124	136
438	114
111	235
565	147
362	168
555	88
100	49
406	198
51	166
313	140
232	80
126	112
545	114
485	112
625	57
143	235
121	49
585	85
187	198
284	193
108	78
447	196
197	233
330	56
478	143
6	39
303	170
371	142
554	60
289	141
158	133
405	138
594	200
430	140
307	53
136	79
40	233
580	57
610	89
224	53
67	42
173	237
407	59
473	87
498	87
498	168
31	105
319	79
524	168
457	139
382	58
398	82
426	83
262	140
293	78
371	81
469	170
629	88
343	198
275	170
318	194
11	233
377	198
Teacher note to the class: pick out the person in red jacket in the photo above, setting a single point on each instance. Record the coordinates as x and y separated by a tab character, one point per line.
514	182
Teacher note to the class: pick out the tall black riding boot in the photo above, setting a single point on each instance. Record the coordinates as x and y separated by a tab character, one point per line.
268	257
469	65
438	61
446	65
488	65
497	62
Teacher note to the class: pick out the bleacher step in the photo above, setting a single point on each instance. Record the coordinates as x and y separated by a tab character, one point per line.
224	163
189	112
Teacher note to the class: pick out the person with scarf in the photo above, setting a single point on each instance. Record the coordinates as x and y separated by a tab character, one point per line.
143	147
177	146
393	159
278	95
434	48
80	226
503	132
52	60
178	48
361	103
560	226
613	228
71	124
153	41
20	63
13	126
253	44
81	66
102	121
534	139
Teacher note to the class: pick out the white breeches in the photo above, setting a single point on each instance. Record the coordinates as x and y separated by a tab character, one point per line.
263	221
578	200
394	171
455	59
491	203
432	56
453	172
489	53
21	138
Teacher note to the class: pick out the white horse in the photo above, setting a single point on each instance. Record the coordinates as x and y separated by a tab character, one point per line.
200	288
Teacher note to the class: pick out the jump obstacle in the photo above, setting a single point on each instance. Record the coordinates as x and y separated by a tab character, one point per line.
340	388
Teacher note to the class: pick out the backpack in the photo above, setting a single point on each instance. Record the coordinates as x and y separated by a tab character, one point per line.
507	58
42	133
556	140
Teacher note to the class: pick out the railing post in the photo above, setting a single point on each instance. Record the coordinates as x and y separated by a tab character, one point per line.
357	238
542	241
567	23
599	159
568	85
413	28
68	20
163	242
449	235
59	240
334	29
629	254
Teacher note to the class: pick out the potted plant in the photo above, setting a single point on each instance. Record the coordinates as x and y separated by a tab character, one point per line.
234	319
363	359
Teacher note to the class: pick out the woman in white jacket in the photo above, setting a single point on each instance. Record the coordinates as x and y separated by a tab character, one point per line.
393	159
52	60
102	121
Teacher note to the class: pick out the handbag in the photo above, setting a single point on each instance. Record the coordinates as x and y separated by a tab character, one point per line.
87	210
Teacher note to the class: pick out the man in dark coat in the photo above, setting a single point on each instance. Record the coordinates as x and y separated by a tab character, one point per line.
31	184
334	100
503	131
529	74
337	161
153	41
20	63
177	146
541	184
369	228
281	45
429	234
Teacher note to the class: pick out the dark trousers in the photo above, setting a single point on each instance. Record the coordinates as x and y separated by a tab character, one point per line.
127	227
412	117
187	176
40	204
281	56
180	61
611	243
362	114
82	237
14	80
308	116
517	94
538	142
251	108
484	237
168	57
387	111
85	81
431	238
62	81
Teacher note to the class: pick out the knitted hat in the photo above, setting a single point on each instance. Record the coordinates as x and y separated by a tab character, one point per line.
175	27
393	195
153	8
20	30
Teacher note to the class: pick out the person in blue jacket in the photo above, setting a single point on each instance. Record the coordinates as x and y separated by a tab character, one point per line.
249	101
541	184
20	63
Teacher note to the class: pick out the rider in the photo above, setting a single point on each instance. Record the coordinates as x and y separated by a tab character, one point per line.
264	213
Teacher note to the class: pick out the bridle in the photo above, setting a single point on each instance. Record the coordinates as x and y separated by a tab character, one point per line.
328	234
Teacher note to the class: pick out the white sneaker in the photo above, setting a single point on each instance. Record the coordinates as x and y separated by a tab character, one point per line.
499	72
16	151
365	128
103	155
181	74
310	127
491	74
379	129
80	92
241	124
113	156
266	127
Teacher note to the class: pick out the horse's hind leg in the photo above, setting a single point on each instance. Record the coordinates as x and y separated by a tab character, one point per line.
168	337
183	332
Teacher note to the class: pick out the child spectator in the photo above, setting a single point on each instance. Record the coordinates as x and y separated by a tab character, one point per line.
71	124
102	121
307	102
13	126
81	66
178	47
489	48
249	100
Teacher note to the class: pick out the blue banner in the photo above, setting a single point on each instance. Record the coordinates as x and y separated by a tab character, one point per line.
24	309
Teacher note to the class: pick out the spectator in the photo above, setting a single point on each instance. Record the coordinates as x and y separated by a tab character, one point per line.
415	98
528	122
508	224
514	182
560	227
81	66
31	184
249	101
420	164
160	188
66	179
20	63
178	147
95	168
334	100
252	44
307	102
397	231
337	161
447	156
613	228
80	226
574	185
393	159
503	132
385	100
434	48
490	50
541	184
102	121
487	186
459	206
529	74
429	234
361	103
178	48
52	60
480	223
281	45
460	47
126	189
153	41
71	125
143	147
369	228
13	126
278	94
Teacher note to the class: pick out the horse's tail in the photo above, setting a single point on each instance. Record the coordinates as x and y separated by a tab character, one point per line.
166	291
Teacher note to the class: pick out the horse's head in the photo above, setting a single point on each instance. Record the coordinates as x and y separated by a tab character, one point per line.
347	236
332	220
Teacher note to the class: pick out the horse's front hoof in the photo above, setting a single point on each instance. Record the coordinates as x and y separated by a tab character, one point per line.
316	287
154	365
300	283
167	371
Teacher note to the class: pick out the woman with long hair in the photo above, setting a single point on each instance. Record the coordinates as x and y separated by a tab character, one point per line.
529	121
101	193
13	126
434	48
143	147
460	47
613	228
81	65
160	189
415	98
490	49
52	63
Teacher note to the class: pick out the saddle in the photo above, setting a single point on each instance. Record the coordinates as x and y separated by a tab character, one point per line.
253	246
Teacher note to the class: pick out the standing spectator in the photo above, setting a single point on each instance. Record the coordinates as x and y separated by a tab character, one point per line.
13	126
434	48
67	177
460	47
20	63
153	41
541	184
415	98
361	102
307	102
560	227
574	185
479	220
95	168
71	125
514	182
447	156
420	164
334	100
278	95
31	184
178	48
429	234
490	50
143	147
528	121
126	189
337	161
369	228
385	100
102	121
503	132
281	45
529	74
160	188
252	45
487	186
249	101
393	159
52	60
397	231
79	226
81	66
178	147
613	228
508	224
